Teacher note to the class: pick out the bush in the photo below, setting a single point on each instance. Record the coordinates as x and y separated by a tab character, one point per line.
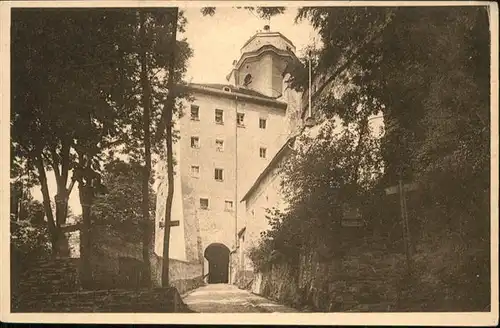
30	241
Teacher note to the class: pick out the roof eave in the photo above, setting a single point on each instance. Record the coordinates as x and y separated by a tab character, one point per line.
260	51
260	33
256	99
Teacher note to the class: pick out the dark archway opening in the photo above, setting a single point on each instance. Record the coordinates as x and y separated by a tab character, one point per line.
217	256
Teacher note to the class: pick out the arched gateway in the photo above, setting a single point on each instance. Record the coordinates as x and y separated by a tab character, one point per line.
217	256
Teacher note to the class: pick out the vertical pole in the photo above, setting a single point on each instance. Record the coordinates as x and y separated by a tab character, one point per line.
236	175
85	234
231	272
405	225
146	104
310	85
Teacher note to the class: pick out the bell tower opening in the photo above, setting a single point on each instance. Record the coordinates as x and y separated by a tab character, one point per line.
247	80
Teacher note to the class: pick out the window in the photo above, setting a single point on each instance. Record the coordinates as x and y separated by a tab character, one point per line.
262	152
247	80
229	205
219	145
204	203
219	174
219	116
195	171
262	123
195	113
195	142
240	119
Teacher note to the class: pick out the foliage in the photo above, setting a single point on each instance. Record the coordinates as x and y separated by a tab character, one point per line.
454	150
260	255
120	208
427	71
29	235
262	12
413	62
88	96
280	243
325	173
157	44
71	108
33	242
32	211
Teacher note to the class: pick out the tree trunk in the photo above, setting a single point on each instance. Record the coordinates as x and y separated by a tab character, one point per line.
53	229
85	190
61	198
363	129
146	102
61	214
169	108
62	195
15	201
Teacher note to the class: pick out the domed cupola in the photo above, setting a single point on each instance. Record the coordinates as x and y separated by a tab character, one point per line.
263	60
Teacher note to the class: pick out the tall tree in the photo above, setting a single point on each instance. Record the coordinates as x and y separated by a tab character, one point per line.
172	106
393	56
146	105
154	66
91	94
169	112
427	68
72	110
44	108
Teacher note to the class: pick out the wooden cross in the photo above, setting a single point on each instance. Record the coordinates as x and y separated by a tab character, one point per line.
171	223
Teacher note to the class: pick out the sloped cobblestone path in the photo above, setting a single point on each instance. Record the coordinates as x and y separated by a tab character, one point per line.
225	298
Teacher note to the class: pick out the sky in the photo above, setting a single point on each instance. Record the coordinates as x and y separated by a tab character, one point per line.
216	41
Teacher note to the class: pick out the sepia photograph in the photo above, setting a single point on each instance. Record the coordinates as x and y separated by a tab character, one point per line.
252	158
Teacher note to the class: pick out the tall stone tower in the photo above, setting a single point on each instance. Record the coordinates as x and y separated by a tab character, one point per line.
229	134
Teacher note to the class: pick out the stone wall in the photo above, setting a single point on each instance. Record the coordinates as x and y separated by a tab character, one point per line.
53	286
159	300
368	278
367	281
60	275
116	264
185	276
112	253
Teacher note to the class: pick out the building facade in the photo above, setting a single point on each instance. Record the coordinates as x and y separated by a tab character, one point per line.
228	134
264	194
